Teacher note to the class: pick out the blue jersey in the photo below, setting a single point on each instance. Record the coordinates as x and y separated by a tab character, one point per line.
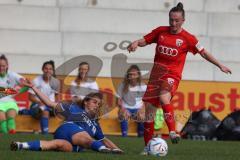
76	114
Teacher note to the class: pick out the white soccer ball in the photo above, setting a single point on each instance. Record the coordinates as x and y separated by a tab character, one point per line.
157	147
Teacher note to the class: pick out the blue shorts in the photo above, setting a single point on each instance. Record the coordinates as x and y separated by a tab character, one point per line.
132	111
43	108
36	110
66	131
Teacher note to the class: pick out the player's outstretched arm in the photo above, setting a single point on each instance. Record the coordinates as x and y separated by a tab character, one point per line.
138	43
206	55
42	96
109	144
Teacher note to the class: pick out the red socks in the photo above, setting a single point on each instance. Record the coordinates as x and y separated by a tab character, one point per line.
12	131
148	131
169	119
169	116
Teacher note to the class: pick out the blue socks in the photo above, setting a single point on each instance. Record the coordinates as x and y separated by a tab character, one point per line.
140	129
34	145
44	125
96	145
124	128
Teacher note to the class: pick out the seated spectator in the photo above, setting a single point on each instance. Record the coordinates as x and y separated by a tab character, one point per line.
80	129
82	85
50	86
8	106
130	102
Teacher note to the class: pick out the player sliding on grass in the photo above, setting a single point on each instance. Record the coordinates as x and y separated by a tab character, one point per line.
80	129
173	44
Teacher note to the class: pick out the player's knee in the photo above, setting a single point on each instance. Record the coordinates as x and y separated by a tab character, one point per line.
88	143
122	117
165	98
2	116
45	114
140	117
82	139
164	101
11	113
64	146
67	148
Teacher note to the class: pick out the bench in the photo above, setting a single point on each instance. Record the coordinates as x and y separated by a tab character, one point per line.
26	123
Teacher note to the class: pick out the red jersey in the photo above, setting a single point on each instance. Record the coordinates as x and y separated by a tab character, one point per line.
171	49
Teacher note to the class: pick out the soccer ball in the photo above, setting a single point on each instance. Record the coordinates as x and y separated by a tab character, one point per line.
157	147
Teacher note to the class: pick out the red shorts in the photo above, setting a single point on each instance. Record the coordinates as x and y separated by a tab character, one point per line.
159	81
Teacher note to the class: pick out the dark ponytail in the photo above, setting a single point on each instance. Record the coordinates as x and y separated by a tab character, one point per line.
178	8
180	5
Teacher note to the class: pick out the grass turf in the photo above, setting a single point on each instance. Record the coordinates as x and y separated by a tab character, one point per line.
186	150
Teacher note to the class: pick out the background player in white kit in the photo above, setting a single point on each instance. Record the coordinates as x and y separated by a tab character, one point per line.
82	85
130	93
50	86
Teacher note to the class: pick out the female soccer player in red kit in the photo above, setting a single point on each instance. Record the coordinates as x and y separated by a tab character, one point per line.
173	44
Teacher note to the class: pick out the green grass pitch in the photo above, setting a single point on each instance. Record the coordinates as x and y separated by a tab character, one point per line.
186	150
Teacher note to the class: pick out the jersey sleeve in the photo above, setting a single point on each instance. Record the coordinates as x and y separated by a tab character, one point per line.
17	77
194	45
35	83
99	134
62	109
64	106
152	37
55	85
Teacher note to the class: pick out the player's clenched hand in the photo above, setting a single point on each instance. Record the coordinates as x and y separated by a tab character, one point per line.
132	47
123	113
225	69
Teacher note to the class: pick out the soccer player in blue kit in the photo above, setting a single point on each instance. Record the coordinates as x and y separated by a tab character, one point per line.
80	129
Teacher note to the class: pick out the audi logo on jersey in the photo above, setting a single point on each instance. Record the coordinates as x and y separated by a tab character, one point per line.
167	50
